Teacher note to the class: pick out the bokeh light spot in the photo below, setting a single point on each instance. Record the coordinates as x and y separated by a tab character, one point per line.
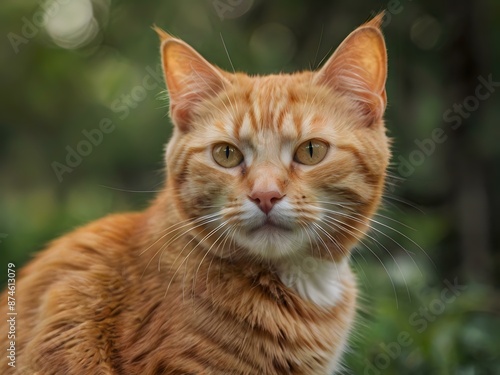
72	24
425	32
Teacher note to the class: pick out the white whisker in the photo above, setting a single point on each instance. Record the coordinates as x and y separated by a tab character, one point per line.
187	256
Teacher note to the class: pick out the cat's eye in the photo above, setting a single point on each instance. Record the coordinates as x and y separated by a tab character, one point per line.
311	152
226	155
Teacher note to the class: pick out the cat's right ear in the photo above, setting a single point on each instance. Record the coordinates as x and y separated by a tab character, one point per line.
358	68
189	78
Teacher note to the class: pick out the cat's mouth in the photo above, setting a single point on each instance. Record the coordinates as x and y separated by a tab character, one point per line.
270	226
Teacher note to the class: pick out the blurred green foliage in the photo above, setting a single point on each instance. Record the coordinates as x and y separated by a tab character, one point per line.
65	72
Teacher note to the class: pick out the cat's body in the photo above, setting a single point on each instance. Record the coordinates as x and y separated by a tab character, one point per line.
240	264
101	313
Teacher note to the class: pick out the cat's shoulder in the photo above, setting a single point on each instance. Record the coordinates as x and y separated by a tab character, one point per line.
97	242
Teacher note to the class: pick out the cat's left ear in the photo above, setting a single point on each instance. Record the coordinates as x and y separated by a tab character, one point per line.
358	68
189	77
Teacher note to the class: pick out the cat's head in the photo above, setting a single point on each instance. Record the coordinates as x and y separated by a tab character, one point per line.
282	164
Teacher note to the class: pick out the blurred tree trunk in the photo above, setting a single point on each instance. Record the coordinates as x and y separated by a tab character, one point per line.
469	199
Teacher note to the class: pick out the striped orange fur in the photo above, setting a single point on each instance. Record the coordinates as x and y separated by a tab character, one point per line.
240	265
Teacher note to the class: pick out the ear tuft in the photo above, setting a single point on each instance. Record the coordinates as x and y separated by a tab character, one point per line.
162	34
376	21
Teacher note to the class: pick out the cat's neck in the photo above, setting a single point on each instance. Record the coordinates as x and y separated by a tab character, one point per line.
321	281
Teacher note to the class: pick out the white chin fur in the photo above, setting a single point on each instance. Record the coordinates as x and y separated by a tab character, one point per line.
315	280
273	245
270	243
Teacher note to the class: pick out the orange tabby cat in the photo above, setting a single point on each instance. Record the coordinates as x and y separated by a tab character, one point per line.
240	266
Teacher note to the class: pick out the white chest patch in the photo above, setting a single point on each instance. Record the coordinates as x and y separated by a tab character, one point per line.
316	280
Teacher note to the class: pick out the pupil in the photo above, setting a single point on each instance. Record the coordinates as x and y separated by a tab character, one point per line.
310	147
227	152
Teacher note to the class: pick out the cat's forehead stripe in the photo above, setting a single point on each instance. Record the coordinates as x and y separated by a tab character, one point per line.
245	131
235	127
267	107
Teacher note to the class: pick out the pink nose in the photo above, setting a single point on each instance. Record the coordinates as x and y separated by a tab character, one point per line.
265	199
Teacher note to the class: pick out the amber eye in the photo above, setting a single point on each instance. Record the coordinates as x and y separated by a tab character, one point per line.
311	152
226	155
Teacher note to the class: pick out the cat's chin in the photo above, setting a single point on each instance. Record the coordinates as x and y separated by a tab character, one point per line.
272	242
270	227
